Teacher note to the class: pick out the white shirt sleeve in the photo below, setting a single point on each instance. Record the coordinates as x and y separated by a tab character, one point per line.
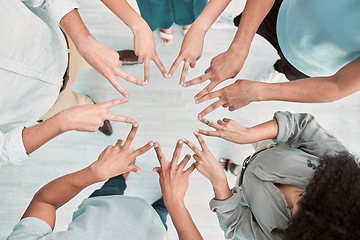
12	147
54	9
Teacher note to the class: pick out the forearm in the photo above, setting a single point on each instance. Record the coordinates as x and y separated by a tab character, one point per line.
126	13
210	13
315	89
263	131
254	13
221	187
37	135
58	192
182	221
73	25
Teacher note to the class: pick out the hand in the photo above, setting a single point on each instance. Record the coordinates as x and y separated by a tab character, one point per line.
106	61
227	129
191	49
222	67
116	160
206	163
173	179
144	47
234	96
88	118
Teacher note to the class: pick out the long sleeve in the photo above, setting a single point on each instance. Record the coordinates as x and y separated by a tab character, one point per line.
235	218
302	131
55	10
12	147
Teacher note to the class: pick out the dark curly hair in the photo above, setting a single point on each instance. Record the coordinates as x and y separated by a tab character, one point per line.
330	208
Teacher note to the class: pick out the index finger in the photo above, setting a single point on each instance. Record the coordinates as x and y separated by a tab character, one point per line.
131	135
210	123
176	153
112	79
201	140
144	149
197	80
192	146
184	72
146	70
160	65
210	108
175	65
209	96
129	78
159	154
206	90
118	118
114	102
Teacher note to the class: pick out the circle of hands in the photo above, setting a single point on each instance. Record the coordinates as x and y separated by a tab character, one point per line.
119	159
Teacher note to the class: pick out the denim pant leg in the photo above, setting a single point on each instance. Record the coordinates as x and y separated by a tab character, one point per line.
113	186
161	209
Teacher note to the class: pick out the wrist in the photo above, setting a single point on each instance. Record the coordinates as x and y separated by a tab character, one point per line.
174	204
59	122
139	26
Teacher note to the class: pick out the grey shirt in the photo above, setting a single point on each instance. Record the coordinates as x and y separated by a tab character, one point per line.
258	206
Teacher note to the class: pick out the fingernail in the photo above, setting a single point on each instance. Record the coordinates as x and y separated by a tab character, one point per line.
199	117
184	140
151	143
138	171
188	155
196	101
135	124
196	131
184	85
180	141
169	75
195	97
156	145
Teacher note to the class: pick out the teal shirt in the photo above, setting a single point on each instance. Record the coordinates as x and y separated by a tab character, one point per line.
258	206
319	37
100	218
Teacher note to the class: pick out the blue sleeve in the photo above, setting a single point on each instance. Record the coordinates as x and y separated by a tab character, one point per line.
30	228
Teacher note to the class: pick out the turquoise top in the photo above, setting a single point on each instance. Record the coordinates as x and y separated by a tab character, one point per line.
319	37
105	217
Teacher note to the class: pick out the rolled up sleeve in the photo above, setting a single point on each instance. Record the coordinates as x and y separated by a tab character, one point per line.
236	219
12	147
54	9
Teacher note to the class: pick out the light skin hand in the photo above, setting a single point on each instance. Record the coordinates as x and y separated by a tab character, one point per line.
232	131
227	129
234	96
191	50
102	58
113	161
174	181
144	47
116	160
92	116
222	67
210	168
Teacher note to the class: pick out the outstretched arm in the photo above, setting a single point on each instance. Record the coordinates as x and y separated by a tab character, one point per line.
86	118
104	59
174	182
308	90
234	132
144	44
229	63
114	160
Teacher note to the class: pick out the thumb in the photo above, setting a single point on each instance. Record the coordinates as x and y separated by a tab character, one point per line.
133	168
157	170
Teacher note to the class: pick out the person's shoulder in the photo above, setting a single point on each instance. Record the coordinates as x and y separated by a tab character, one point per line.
30	228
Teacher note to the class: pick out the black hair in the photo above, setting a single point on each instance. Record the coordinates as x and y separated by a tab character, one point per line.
330	209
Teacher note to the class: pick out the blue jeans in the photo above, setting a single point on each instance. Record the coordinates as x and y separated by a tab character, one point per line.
117	185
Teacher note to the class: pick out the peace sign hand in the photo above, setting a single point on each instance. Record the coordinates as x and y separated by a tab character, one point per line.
206	163
116	160
174	179
227	129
